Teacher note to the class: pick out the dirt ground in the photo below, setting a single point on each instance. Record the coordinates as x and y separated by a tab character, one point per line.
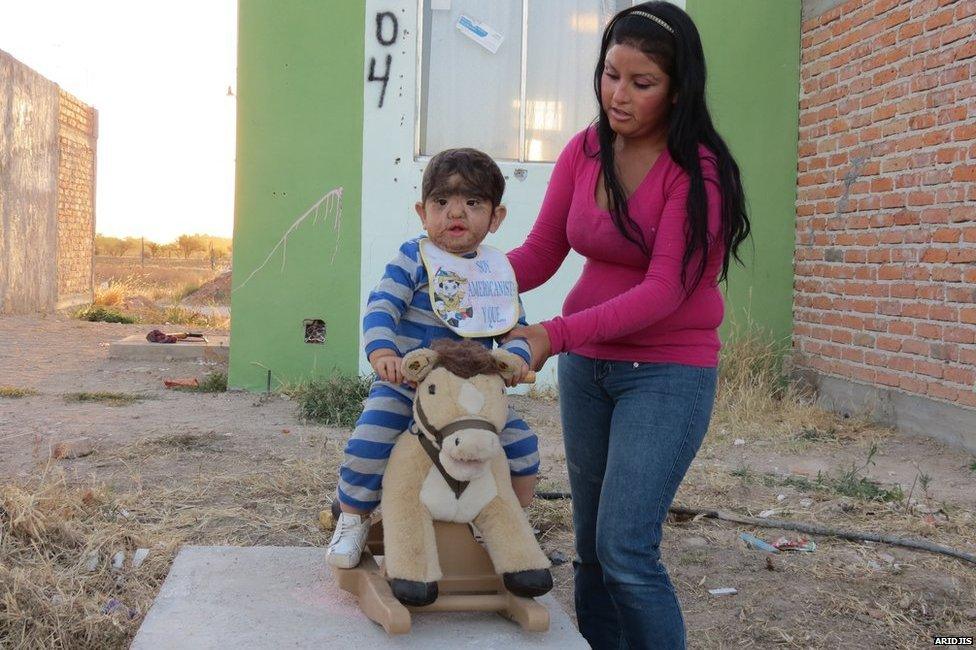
845	594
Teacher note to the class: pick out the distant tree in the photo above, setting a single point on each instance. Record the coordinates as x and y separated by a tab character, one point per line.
189	244
152	248
105	245
131	244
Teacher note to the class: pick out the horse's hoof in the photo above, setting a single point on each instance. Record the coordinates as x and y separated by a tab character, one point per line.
417	594
530	583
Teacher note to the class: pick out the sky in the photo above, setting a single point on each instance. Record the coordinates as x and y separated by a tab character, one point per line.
158	73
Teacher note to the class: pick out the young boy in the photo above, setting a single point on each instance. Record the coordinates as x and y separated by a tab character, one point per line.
444	285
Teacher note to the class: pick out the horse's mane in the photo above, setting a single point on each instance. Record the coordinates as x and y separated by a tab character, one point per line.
464	358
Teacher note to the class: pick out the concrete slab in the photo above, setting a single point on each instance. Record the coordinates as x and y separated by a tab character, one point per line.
137	348
286	597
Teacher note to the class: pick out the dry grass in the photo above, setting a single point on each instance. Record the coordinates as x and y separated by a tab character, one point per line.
135	301
15	392
50	530
756	400
164	279
102	397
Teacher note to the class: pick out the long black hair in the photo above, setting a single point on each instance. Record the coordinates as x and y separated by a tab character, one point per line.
680	55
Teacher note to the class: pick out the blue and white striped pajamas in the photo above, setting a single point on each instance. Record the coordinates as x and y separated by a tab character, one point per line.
399	317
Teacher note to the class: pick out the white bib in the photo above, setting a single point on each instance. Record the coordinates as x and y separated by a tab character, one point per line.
475	296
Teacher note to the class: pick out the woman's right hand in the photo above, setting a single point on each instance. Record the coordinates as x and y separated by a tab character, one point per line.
538	339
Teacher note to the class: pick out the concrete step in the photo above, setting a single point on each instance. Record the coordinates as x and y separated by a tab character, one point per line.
137	348
286	597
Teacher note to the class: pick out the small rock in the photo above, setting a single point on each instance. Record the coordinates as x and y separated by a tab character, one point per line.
92	562
118	561
781	497
739	442
806	503
77	448
57	600
843	505
140	556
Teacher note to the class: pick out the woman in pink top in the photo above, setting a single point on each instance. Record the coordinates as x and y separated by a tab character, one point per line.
651	197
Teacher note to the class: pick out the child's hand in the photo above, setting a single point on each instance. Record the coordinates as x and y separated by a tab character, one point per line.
388	365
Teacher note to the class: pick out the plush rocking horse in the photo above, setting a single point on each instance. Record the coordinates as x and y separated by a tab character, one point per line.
448	472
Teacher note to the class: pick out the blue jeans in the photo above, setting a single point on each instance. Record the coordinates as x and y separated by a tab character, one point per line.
631	430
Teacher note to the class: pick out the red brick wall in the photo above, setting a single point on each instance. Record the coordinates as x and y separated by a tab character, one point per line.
885	286
77	133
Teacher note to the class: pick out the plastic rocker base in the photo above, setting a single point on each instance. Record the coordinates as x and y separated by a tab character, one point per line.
470	583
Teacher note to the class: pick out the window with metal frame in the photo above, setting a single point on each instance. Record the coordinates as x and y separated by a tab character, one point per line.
513	78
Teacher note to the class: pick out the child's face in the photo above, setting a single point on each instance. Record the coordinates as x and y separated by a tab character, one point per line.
457	222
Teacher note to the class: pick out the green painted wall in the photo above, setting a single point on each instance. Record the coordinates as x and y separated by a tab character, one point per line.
752	49
299	135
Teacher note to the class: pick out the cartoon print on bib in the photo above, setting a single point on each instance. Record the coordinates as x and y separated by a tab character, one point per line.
450	302
474	296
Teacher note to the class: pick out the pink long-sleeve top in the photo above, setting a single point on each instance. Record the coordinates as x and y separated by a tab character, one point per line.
626	306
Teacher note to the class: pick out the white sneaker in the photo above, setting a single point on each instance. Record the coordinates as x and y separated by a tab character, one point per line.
348	540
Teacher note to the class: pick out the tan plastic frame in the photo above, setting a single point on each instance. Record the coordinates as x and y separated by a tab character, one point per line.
470	583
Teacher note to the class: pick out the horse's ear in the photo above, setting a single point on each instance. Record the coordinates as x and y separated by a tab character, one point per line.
417	364
506	362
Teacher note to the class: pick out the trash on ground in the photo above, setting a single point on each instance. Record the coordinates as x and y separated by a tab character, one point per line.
557	558
114	605
325	520
77	448
755	542
724	591
139	557
192	382
111	606
158	336
801	544
772	511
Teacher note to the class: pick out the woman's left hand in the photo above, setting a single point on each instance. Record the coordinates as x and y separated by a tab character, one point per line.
538	339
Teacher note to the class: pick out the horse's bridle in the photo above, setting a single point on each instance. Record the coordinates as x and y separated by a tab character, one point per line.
425	431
